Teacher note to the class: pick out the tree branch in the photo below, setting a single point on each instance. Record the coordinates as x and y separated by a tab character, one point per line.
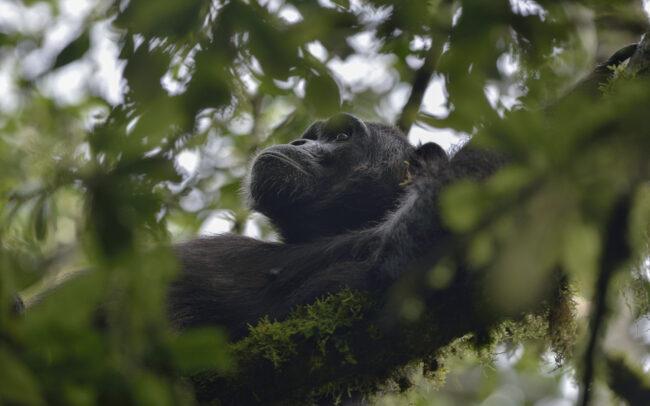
615	251
640	60
627	382
420	83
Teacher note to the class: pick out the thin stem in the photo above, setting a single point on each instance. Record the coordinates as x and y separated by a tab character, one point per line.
615	251
420	83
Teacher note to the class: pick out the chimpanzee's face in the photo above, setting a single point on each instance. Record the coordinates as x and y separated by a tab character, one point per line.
342	168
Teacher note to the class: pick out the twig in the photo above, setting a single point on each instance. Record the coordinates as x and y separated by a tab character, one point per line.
615	251
640	61
420	84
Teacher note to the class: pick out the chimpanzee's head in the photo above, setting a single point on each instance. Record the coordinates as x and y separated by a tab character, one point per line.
342	174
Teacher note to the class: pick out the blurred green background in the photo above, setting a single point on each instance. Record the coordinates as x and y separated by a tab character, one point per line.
128	125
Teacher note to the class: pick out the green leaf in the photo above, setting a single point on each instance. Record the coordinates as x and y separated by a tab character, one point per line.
73	51
144	70
166	18
230	195
462	206
509	180
156	168
17	384
199	349
41	217
581	249
322	95
151	390
210	85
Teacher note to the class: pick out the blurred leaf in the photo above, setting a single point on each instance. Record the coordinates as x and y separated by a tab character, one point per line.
230	195
322	95
144	70
461	206
481	250
508	181
156	168
41	217
61	307
210	85
162	118
628	381
79	395
200	349
73	51
274	49
109	215
640	219
151	390
581	249
165	18
17	384
331	27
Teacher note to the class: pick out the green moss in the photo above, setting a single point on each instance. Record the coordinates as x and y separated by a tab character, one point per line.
335	347
278	342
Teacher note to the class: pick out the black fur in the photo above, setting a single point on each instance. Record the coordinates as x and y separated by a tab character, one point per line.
352	209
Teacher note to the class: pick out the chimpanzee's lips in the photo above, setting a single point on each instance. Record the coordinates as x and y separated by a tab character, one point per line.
283	158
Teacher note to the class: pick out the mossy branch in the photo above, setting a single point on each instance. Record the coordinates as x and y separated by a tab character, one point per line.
336	347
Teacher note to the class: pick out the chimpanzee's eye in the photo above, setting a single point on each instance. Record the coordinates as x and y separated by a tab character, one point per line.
341	137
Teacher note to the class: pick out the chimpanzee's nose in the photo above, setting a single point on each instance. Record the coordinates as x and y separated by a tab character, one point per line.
298	142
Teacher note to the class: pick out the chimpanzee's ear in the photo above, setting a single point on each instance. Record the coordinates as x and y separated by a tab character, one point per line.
430	152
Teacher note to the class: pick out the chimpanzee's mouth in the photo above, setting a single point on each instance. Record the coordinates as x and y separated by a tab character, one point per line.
283	158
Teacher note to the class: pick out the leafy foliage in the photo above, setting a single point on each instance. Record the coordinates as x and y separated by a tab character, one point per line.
104	176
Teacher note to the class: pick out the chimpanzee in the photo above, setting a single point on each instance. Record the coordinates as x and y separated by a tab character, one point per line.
354	204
